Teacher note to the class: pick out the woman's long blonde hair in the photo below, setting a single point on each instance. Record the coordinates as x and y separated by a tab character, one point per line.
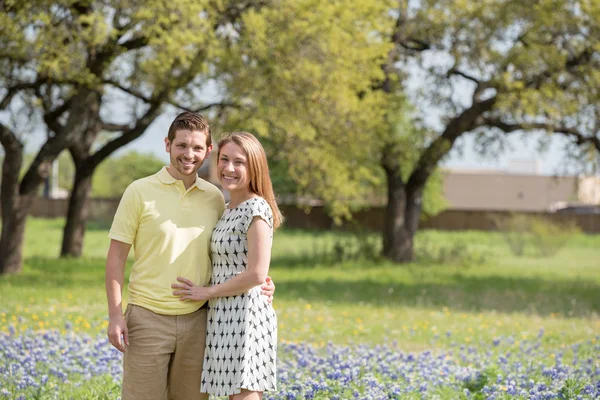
260	180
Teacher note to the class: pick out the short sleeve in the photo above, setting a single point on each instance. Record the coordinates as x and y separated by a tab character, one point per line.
127	217
258	207
220	204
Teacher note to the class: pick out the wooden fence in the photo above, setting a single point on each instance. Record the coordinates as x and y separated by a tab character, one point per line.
103	210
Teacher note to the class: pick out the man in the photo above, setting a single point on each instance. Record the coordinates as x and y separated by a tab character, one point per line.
168	218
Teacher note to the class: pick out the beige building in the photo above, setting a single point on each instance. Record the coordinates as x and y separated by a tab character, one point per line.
490	190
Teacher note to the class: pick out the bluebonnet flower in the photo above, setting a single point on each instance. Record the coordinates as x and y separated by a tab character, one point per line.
540	333
32	362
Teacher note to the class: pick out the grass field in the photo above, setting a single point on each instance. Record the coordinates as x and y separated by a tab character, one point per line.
495	306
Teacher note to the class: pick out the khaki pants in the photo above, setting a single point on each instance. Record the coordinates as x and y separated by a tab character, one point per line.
164	358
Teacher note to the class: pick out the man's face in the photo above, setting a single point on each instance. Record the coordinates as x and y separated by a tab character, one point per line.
187	151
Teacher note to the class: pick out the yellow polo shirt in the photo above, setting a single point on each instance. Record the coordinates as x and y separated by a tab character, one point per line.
170	229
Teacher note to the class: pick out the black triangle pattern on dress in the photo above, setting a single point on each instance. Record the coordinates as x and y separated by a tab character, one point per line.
241	342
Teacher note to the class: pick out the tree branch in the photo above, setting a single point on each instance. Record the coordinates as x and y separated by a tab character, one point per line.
13	90
415	44
150	100
127	90
40	167
235	10
9	139
134	43
585	56
219	105
468	120
407	42
51	117
455	71
574	133
128	135
110	127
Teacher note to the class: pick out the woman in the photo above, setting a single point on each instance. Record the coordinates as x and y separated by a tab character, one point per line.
241	343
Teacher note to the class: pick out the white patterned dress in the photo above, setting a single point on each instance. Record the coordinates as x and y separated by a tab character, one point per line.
241	341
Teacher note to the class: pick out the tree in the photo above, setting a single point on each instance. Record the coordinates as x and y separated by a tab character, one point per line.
71	59
21	83
67	60
528	68
520	67
168	59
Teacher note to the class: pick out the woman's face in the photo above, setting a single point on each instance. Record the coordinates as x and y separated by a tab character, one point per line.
232	168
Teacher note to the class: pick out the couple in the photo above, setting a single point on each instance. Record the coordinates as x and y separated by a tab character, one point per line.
183	339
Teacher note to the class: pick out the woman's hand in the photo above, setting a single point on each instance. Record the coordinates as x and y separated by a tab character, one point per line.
187	290
268	289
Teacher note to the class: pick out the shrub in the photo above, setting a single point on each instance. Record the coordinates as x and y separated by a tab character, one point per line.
515	230
457	253
359	244
546	236
549	237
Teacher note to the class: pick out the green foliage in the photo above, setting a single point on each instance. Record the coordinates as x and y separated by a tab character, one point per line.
571	389
458	253
550	237
545	236
311	77
476	383
539	63
141	40
353	245
116	173
279	167
305	68
313	80
515	230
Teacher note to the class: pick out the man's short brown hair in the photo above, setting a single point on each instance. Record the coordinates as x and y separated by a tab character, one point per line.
190	121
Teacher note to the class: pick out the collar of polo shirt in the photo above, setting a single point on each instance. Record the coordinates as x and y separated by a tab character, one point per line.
166	178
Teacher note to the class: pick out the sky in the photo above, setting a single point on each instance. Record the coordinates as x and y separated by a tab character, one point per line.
521	156
522	152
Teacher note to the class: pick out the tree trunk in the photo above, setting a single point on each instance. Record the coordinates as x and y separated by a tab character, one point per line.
402	216
13	234
402	213
80	151
14	208
74	230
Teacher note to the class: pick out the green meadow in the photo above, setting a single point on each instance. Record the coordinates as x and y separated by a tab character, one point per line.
464	288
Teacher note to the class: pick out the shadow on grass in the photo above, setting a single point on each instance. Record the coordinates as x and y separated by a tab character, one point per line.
457	291
463	293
